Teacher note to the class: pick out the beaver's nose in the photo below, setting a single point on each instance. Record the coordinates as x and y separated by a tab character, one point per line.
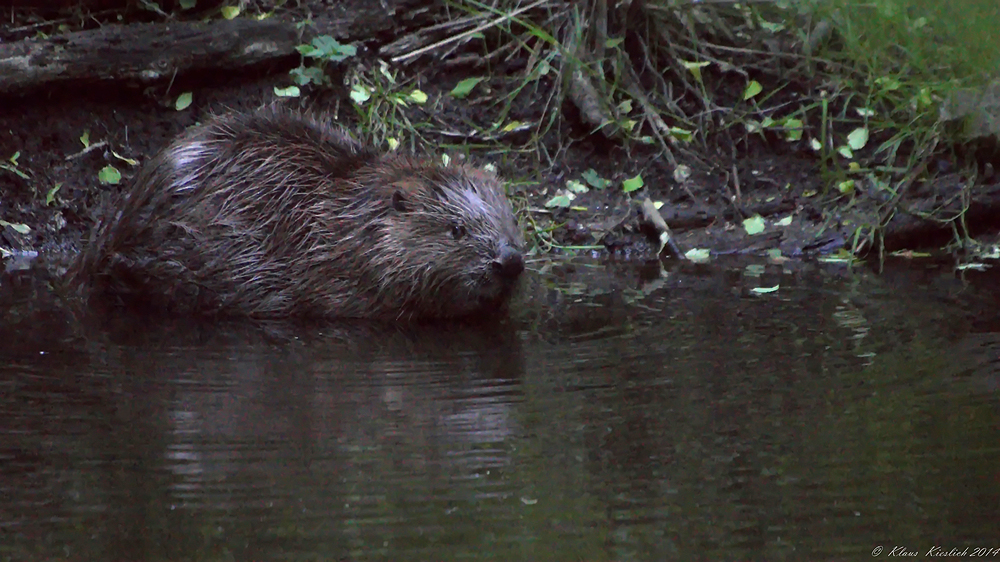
510	263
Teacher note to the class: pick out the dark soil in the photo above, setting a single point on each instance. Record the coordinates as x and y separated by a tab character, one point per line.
773	179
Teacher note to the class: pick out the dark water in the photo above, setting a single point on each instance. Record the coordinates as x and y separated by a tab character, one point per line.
624	414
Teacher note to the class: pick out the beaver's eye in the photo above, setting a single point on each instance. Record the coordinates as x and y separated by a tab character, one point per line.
457	231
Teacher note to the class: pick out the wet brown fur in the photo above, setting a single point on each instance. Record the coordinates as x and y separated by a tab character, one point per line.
276	214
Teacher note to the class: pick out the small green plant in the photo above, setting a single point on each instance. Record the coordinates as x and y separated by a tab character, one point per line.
382	100
594	180
564	197
322	50
109	175
50	197
12	166
463	88
633	183
183	101
21	228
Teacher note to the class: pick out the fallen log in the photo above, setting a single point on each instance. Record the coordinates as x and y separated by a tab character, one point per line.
148	52
57	6
142	52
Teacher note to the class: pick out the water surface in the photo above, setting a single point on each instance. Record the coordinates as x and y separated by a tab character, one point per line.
624	413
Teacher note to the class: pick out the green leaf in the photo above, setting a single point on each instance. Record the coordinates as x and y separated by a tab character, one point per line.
558	201
764	290
845	151
130	161
846	187
22	228
417	96
513	126
541	34
289	92
464	88
633	183
14	157
188	4
752	89
595	181
307	75
230	12
383	68
360	94
85	139
344	52
923	99
694	65
858	138
576	187
51	195
698	255
754	225
793	129
682	135
183	101
14	169
695	68
613	42
109	175
772	27
785	221
327	48
888	83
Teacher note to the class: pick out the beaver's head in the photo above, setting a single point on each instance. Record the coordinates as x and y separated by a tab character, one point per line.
449	243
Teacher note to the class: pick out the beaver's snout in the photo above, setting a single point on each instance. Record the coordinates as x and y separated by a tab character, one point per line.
510	263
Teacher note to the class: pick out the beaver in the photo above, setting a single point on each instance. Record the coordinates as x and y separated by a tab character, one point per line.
276	213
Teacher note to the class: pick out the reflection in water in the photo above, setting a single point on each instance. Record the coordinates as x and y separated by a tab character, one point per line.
697	420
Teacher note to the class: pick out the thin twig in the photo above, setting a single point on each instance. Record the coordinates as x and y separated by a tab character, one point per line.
87	150
468	33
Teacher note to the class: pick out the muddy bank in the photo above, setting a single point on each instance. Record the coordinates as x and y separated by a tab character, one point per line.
69	124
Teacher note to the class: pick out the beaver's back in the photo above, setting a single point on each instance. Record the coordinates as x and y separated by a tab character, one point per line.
277	214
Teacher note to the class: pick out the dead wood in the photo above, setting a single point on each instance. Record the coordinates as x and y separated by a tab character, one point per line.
142	52
149	52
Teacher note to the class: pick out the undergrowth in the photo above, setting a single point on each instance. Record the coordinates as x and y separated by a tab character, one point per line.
860	86
876	93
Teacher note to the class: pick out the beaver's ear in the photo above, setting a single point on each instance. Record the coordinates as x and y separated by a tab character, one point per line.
404	193
399	201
